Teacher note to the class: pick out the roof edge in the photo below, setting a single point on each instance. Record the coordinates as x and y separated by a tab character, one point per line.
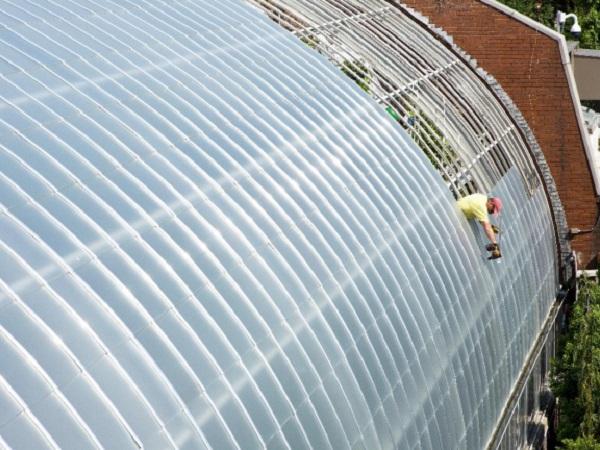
527	21
513	111
592	158
586	52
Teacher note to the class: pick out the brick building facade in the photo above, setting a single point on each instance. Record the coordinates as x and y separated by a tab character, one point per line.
528	65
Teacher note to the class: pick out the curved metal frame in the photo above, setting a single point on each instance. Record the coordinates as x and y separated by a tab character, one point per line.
457	122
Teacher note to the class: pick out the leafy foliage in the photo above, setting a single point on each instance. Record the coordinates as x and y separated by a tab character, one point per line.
428	136
581	443
587	12
576	374
358	72
311	40
540	11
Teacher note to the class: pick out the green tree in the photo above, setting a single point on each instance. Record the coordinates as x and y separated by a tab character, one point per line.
576	374
581	444
358	72
540	11
587	12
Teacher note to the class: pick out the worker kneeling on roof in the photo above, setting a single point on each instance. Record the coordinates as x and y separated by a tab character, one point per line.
478	206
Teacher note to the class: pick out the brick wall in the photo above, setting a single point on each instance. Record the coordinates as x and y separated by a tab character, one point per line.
528	65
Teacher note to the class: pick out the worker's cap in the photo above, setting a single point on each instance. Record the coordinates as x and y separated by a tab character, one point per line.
496	205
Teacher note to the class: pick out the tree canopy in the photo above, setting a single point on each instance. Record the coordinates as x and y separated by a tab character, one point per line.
587	12
576	374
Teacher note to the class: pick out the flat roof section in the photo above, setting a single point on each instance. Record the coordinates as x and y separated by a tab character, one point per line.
586	67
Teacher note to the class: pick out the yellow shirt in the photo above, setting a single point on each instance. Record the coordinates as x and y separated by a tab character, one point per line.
474	207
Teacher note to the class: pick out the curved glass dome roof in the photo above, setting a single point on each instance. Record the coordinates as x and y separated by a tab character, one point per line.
210	237
431	92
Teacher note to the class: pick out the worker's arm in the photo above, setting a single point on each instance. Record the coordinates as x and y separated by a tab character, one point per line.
489	232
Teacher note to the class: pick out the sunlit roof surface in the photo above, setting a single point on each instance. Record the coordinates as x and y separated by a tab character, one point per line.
211	237
432	92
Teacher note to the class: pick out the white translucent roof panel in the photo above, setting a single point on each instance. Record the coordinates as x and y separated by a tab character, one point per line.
211	238
430	91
